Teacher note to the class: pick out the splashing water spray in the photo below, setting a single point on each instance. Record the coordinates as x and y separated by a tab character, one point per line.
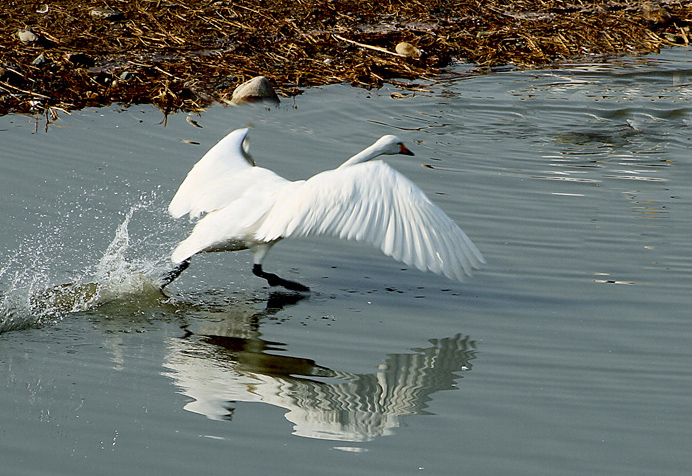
28	299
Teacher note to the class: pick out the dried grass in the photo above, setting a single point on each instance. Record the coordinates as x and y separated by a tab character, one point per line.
186	54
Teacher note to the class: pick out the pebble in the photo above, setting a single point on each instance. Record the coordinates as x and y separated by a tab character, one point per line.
105	14
257	89
28	37
407	49
40	60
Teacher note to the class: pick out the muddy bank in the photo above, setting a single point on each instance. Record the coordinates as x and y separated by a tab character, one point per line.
187	54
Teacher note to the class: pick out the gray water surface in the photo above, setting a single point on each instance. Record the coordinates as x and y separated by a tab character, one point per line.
568	353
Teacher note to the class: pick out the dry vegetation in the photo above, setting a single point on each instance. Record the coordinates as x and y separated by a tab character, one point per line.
186	54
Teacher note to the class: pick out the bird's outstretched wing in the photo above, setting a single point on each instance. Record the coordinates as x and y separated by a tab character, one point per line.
206	187
373	203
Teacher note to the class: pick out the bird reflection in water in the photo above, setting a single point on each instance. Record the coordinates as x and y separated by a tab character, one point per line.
223	360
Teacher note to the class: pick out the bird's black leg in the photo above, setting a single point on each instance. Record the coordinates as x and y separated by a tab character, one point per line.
274	280
170	276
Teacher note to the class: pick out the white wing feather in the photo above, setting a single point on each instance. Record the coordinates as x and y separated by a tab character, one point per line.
226	227
373	203
209	185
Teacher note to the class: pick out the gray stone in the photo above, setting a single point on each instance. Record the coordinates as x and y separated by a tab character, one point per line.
28	37
255	90
40	60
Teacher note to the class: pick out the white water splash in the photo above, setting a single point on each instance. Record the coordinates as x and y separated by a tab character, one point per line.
29	296
116	275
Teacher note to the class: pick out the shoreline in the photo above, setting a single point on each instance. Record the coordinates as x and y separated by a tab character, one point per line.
184	55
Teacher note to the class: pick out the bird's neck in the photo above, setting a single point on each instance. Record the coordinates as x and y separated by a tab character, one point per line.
362	156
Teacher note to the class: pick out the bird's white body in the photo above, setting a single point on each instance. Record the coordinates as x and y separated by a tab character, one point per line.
249	207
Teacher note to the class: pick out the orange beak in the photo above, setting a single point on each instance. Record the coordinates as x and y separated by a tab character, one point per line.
405	151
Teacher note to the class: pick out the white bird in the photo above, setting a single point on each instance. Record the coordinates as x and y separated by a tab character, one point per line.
249	207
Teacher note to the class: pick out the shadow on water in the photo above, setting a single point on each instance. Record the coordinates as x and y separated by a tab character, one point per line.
223	360
597	136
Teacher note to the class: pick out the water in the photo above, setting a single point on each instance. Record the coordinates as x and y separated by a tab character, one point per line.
568	353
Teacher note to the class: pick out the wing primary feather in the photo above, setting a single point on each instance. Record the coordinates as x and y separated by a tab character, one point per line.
404	244
372	203
458	264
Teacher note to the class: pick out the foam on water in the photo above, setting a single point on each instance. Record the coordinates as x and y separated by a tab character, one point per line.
30	297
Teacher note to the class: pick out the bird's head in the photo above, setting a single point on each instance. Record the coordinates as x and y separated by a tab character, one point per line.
387	145
391	145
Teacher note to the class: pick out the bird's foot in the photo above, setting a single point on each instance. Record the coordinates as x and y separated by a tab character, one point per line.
170	276
275	280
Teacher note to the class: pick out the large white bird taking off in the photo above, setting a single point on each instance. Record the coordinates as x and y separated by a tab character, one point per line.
248	207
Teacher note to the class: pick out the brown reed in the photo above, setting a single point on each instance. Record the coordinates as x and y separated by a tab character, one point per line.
187	54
